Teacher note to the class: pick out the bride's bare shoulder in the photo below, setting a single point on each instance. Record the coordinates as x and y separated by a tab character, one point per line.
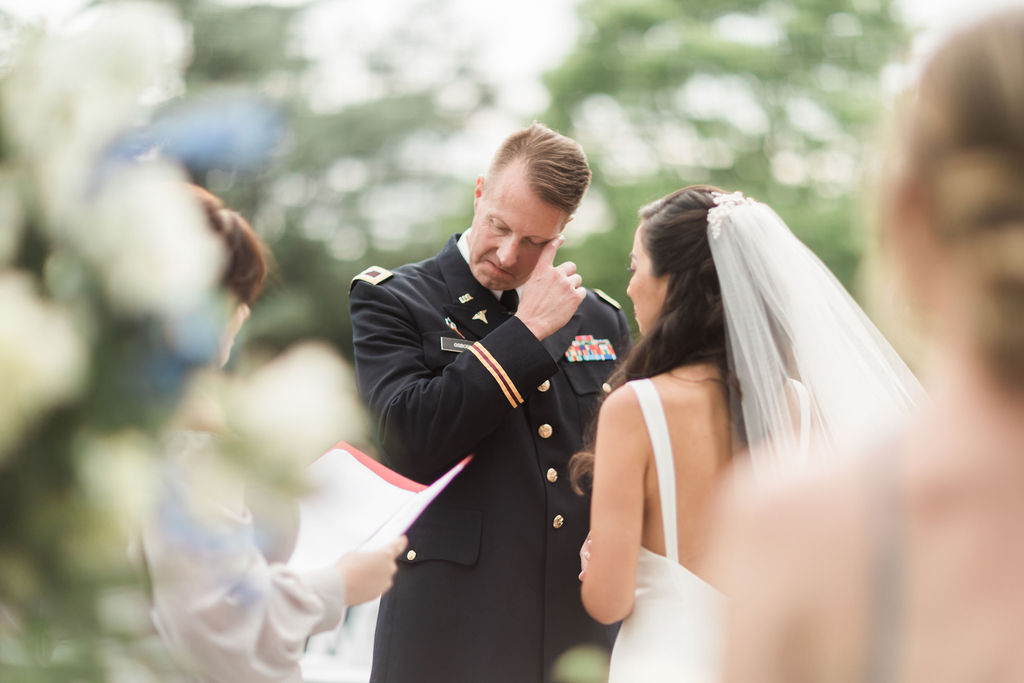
690	390
620	406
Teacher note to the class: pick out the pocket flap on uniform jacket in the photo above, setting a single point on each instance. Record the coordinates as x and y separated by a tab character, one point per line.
588	376
444	534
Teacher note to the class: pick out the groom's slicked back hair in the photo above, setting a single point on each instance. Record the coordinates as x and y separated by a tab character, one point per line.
556	167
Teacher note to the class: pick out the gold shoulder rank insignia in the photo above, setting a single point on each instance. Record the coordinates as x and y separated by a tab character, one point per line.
607	298
374	275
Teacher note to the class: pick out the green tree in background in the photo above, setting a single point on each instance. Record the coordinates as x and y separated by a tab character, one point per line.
363	178
777	99
774	98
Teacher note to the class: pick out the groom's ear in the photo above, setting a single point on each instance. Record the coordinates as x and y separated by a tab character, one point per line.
478	191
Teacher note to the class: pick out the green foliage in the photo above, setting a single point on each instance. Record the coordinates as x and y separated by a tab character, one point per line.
356	183
771	98
236	46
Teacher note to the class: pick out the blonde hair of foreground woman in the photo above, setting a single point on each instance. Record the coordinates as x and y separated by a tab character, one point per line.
905	565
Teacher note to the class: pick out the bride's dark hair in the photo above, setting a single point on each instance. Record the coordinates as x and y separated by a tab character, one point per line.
690	328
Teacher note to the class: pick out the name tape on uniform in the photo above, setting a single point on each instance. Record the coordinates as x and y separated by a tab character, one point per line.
454	345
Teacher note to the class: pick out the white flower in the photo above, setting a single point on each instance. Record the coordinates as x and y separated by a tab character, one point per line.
297	406
11	216
119	476
149	239
42	357
68	95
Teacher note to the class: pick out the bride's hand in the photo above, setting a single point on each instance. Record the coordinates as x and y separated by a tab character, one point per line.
584	556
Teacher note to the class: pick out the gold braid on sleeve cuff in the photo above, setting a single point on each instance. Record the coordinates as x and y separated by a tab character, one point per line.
498	373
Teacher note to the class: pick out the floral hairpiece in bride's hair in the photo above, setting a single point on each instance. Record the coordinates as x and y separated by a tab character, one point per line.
724	204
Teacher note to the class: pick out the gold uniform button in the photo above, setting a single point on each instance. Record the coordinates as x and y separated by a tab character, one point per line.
606	387
545	386
558	521
552	475
411	555
545	431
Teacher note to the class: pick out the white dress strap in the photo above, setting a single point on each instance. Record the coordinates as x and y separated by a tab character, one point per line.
657	429
803	400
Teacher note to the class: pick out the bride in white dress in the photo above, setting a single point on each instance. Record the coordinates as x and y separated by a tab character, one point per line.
751	346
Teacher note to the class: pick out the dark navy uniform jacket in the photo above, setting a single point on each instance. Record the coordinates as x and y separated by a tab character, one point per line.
488	589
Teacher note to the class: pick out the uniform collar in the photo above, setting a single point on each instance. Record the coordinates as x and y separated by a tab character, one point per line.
463	311
473	308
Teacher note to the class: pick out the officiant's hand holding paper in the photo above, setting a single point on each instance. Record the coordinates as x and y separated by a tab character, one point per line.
367	574
358	505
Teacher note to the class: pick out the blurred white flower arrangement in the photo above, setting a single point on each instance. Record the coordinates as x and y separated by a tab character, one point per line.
108	304
148	239
42	356
296	407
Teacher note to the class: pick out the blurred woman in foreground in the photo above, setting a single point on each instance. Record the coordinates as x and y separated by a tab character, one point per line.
229	612
907	565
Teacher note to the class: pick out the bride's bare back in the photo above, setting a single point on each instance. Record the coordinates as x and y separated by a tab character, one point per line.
625	512
696	409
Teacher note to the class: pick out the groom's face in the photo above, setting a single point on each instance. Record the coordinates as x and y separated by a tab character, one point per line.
511	225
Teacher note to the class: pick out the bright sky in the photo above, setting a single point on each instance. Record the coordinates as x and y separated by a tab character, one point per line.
548	39
517	41
504	29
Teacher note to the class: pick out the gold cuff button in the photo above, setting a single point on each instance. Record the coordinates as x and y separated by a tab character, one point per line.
411	555
545	431
552	475
558	521
545	386
606	387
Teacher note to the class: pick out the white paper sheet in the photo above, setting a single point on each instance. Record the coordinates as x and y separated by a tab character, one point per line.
357	503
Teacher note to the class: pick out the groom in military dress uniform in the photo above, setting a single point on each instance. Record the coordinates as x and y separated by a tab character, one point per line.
490	348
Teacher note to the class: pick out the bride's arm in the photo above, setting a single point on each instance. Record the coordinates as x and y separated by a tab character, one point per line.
617	507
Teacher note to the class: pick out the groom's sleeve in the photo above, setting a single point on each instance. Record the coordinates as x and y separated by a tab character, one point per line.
428	414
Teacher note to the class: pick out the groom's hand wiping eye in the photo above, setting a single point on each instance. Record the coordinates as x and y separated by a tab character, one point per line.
552	293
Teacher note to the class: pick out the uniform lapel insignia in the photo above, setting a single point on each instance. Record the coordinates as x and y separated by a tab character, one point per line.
374	275
607	298
454	327
481	315
585	348
465	298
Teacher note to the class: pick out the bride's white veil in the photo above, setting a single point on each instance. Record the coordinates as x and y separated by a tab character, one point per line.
815	376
